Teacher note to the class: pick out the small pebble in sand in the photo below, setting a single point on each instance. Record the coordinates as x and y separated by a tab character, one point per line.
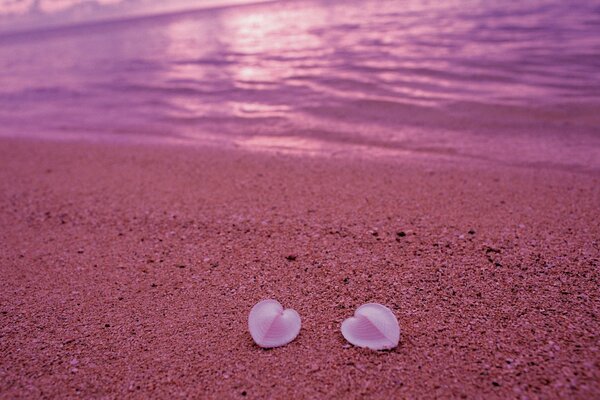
373	326
272	326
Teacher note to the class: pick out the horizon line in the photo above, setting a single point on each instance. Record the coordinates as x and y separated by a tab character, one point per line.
59	29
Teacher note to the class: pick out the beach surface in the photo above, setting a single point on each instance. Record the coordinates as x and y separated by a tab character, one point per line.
128	271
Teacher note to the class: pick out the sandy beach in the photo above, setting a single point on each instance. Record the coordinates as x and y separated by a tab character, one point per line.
128	271
165	166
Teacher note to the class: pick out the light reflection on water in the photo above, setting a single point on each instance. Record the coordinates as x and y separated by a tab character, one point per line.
406	75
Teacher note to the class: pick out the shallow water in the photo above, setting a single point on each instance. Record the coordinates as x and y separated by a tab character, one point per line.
503	81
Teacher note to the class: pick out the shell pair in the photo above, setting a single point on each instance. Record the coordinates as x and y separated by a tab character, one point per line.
373	326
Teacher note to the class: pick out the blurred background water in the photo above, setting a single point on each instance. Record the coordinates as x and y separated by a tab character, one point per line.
506	81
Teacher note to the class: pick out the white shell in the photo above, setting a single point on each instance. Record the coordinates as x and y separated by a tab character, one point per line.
374	326
272	326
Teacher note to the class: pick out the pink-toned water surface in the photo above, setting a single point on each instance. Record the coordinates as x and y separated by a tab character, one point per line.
502	81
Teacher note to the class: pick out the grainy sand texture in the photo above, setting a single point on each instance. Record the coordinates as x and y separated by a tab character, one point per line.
129	271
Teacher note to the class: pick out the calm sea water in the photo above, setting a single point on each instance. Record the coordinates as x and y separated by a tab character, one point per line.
505	81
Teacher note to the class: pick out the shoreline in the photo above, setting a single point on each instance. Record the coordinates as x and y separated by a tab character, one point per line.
128	271
355	149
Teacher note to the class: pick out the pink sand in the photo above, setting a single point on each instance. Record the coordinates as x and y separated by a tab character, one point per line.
129	272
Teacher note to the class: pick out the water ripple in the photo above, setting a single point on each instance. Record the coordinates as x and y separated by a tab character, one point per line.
385	66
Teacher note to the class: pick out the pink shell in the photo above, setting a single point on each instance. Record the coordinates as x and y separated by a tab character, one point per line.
373	326
272	326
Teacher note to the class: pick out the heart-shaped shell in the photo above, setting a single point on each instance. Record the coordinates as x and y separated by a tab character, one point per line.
374	326
272	326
